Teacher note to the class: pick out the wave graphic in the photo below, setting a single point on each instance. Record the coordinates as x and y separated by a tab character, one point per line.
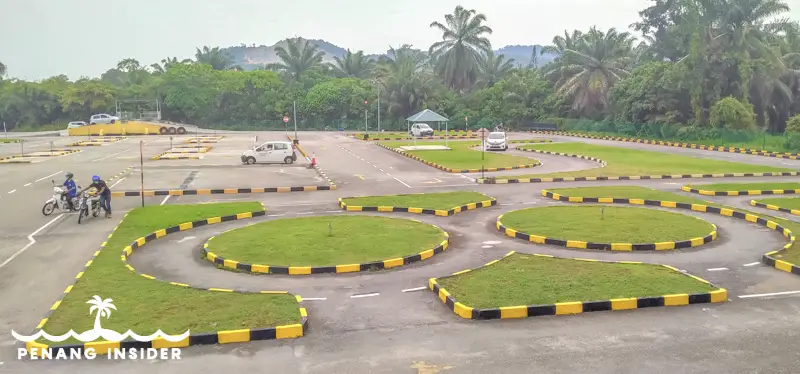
105	334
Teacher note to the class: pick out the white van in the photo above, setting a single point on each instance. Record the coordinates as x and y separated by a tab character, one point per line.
270	152
497	141
420	130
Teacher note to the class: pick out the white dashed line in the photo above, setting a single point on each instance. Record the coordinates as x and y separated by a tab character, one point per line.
332	211
380	169
415	289
43	178
276	215
364	295
12	191
314	298
717	269
751	264
306	213
27	185
117	182
768	294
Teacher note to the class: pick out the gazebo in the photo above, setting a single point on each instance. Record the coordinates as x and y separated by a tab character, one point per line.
428	116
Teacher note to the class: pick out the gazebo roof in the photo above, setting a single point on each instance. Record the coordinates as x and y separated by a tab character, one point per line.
427	115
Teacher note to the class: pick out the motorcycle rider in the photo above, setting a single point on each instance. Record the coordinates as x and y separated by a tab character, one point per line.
104	192
71	190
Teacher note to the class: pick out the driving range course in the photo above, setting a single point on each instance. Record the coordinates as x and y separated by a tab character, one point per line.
391	310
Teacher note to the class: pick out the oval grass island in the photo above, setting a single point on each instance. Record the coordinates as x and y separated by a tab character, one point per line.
326	244
607	228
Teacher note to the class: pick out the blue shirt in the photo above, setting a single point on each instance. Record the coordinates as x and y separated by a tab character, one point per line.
71	188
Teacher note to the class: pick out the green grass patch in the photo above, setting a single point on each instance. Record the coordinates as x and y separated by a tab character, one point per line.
745	186
624	161
531	280
783	202
4	140
462	157
145	305
615	224
633	192
440	201
306	241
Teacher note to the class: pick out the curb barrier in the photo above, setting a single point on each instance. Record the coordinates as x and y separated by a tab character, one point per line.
337	269
767	258
449	170
217	191
589	158
632	177
9	141
738	193
218	337
660	246
58	151
575	307
316	166
437	212
775	207
749	151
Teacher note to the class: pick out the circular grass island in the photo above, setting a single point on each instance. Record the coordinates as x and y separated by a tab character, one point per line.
607	228
326	244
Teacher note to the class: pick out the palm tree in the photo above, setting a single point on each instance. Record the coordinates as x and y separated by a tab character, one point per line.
168	63
458	54
297	58
218	59
355	65
2	70
405	84
587	71
103	308
493	68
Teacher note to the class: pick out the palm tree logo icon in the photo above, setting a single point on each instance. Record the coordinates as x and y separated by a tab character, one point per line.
103	308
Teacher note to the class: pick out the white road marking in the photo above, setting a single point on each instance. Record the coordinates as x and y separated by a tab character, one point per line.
751	264
31	239
530	202
118	153
364	295
27	185
404	183
117	182
43	178
185	239
276	215
313	298
12	191
717	269
165	200
332	211
768	294
487	246
306	213
415	289
380	169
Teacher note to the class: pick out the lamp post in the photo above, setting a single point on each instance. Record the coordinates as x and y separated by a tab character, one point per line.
366	124
483	150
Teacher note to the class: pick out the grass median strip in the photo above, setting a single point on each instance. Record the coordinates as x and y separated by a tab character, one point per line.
435	201
146	306
522	279
745	186
792	203
460	156
607	224
628	162
326	241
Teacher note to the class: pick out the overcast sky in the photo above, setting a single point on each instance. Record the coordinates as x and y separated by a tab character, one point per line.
42	38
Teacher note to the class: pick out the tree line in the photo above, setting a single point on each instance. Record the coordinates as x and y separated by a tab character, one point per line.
699	65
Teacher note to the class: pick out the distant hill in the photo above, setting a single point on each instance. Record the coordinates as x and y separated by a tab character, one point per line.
252	56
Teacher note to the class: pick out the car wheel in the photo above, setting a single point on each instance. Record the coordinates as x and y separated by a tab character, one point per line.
181	130
250	160
163	131
113	121
171	130
288	160
92	123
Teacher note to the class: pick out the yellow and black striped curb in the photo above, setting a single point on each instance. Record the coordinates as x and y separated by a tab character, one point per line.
50	153
192	148
739	193
767	258
127	171
576	307
204	139
749	151
589	158
218	191
449	170
436	212
338	269
96	142
632	177
660	246
775	207
219	337
316	166
437	137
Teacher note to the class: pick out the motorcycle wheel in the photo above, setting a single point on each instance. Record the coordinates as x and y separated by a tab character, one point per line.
81	214
48	208
96	213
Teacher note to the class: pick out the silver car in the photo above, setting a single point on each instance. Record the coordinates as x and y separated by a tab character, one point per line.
76	124
103	118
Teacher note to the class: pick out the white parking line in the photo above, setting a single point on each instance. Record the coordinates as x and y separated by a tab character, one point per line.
12	191
43	178
404	183
717	269
103	158
415	289
313	298
117	182
364	295
768	294
165	200
751	264
31	239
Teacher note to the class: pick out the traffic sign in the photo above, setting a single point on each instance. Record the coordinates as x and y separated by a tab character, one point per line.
365	102
286	119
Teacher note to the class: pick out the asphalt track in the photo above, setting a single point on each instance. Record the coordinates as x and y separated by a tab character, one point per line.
397	331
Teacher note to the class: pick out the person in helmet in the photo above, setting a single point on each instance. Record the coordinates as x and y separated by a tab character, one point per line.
70	190
105	193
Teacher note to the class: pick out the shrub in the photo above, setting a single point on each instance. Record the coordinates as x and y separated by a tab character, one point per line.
731	113
793	125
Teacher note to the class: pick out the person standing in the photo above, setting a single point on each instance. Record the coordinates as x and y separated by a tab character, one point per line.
104	192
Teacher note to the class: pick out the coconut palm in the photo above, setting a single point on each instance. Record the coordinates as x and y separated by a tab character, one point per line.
102	307
218	59
493	68
458	54
2	69
405	84
297	58
168	63
354	65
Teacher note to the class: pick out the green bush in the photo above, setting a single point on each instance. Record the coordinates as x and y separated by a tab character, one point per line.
731	113
793	125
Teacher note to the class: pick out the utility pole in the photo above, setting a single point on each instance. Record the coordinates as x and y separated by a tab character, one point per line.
379	109
294	115
141	168
366	124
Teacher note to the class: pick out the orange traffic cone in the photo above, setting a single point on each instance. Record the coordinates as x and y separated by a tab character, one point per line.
313	160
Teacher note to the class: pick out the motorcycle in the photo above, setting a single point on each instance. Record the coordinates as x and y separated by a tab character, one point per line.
88	203
58	201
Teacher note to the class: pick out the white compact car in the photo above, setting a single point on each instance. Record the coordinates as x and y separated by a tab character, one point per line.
270	152
420	130
76	124
103	118
497	141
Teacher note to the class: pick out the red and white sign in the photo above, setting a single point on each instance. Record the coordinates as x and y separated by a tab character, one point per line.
286	119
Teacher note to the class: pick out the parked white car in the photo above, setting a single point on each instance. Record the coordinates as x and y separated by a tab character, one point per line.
76	124
270	152
421	129
497	141
103	118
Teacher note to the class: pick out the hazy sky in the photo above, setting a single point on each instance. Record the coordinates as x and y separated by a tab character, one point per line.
42	38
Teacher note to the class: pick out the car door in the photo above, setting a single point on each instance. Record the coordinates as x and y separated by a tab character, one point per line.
281	151
264	153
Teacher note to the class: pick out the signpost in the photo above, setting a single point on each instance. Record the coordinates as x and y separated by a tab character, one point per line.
294	115
366	124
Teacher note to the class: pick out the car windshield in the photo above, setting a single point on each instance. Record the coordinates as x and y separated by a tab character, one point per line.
496	135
